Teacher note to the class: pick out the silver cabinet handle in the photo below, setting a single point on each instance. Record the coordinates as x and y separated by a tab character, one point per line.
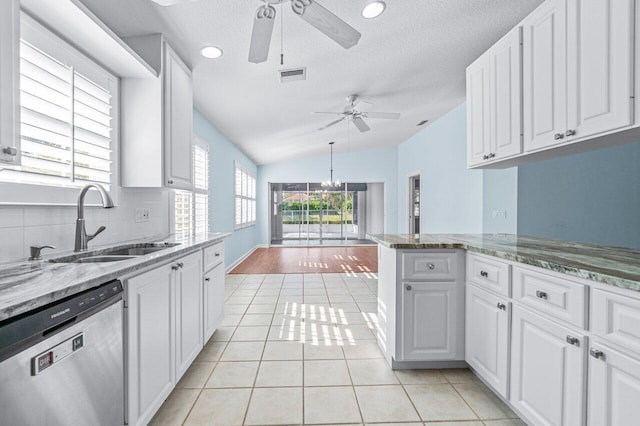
431	266
484	274
408	287
597	354
485	157
573	341
9	150
570	132
541	295
502	306
208	279
170	182
174	268
491	155
558	136
217	254
180	265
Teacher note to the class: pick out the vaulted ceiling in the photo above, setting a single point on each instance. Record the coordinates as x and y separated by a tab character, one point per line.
410	60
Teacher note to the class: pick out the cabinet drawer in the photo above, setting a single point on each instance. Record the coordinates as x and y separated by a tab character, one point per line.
429	266
559	297
490	274
616	318
213	256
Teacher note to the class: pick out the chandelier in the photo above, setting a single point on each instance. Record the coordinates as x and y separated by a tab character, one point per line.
328	184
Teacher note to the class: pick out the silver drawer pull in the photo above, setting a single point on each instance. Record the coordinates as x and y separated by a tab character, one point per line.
180	265
558	136
484	274
597	354
217	254
408	287
431	266
573	341
502	306
175	267
208	279
541	295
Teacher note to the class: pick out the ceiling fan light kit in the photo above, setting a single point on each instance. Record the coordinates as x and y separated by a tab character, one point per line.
373	9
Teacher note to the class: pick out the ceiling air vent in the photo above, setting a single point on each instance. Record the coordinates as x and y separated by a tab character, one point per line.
293	75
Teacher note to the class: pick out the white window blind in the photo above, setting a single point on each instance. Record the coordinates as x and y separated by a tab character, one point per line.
245	202
191	209
66	125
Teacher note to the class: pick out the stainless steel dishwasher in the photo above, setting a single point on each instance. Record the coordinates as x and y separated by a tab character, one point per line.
62	364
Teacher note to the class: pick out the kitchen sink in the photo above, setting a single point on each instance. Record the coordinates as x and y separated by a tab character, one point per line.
114	254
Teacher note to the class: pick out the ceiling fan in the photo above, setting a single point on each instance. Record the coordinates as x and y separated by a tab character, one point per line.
353	112
309	10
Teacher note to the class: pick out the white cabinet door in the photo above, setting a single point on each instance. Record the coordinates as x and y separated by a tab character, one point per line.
487	337
547	371
614	388
600	66
430	321
506	95
9	82
545	75
178	121
478	111
188	288
213	300
150	343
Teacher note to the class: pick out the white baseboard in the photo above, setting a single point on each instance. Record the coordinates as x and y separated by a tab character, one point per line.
244	256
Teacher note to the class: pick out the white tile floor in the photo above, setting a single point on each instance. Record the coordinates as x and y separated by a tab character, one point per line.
300	349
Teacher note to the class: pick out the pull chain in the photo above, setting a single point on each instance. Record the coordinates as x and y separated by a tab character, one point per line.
281	36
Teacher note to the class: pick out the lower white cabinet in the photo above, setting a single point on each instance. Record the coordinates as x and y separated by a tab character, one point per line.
189	318
547	370
487	337
163	317
149	319
430	321
213	300
614	388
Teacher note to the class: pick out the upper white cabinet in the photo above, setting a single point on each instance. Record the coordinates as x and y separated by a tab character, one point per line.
577	84
9	82
494	102
157	120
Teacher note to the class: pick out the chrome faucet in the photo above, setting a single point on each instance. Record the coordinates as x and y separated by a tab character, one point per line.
82	238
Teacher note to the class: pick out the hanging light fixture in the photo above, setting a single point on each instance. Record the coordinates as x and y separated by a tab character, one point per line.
329	184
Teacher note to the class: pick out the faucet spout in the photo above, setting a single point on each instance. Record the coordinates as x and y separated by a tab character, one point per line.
82	238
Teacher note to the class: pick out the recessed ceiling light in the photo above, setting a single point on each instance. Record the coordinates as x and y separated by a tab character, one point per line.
373	9
211	52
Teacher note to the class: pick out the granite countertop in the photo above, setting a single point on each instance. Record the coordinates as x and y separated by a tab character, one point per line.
614	266
31	284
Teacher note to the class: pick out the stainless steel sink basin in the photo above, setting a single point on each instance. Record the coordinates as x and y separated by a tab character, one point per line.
101	258
114	254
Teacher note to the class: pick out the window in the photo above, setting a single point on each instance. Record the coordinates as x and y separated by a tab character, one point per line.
245	189
67	115
191	209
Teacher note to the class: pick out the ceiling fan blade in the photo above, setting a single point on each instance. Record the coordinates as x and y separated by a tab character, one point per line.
327	112
333	123
386	115
171	2
261	35
362	105
325	21
360	124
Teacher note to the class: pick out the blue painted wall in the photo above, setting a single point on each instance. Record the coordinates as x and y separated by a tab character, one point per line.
592	197
376	165
451	195
222	155
500	193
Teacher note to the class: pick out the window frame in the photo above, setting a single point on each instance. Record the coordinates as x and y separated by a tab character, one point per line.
26	194
250	174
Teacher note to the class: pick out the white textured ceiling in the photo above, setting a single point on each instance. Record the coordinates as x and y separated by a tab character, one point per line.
411	60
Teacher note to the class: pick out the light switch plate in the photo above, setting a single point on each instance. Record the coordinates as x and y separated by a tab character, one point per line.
141	215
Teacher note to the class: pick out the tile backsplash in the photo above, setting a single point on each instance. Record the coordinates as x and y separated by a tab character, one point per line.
25	226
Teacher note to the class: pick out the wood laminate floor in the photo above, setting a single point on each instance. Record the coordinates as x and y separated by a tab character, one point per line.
299	260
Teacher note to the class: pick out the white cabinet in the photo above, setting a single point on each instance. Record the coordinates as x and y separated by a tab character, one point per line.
9	82
600	37
213	300
157	120
547	370
487	337
163	317
429	321
150	337
189	319
614	388
494	101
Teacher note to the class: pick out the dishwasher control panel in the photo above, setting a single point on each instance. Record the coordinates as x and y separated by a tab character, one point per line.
59	352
